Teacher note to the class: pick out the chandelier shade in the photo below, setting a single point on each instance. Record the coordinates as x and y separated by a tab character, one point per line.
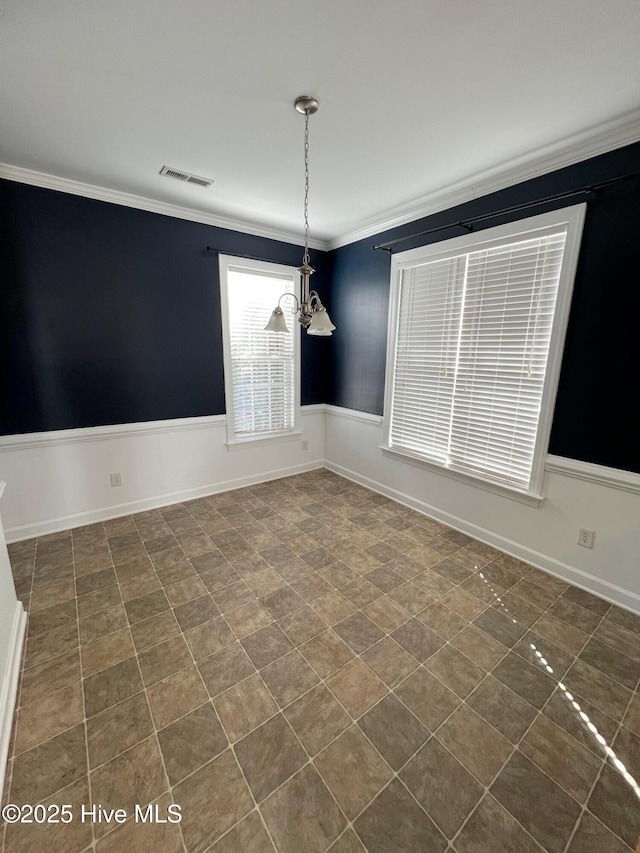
276	323
320	323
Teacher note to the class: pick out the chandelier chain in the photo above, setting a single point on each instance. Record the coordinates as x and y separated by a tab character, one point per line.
306	188
312	315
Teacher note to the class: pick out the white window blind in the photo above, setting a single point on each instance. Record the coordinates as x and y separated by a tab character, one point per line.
509	304
261	366
472	337
426	354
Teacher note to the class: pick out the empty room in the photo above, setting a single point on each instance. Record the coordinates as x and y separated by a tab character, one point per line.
319	445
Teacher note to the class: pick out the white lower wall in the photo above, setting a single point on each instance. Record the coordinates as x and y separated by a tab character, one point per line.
576	495
12	624
61	480
58	480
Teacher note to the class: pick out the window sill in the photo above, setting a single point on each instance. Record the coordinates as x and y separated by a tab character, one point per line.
270	438
529	498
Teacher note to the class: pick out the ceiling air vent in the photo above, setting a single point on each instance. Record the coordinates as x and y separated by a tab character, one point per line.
185	176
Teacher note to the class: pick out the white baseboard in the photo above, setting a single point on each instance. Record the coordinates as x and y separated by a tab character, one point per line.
598	586
63	479
53	525
9	687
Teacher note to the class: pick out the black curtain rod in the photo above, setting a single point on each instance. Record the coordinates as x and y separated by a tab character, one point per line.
468	223
239	255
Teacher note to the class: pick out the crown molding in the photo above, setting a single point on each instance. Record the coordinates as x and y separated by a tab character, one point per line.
66	185
605	137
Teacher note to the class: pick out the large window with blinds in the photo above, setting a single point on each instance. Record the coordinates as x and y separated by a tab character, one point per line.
477	326
262	373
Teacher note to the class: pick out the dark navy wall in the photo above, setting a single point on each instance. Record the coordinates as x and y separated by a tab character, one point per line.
111	315
597	414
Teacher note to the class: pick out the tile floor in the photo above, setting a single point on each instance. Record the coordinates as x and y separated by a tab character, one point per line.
305	666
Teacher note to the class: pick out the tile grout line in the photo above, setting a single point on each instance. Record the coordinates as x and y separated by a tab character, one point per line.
309	762
232	744
229	745
390	691
84	707
433	734
90	770
85	722
605	762
360	609
540	712
287	583
210	702
329	627
514	747
280	711
111	830
148	706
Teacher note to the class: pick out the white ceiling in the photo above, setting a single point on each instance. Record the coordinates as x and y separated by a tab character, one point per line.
416	97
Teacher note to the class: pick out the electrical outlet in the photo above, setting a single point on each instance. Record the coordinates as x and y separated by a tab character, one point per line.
116	479
585	537
305	444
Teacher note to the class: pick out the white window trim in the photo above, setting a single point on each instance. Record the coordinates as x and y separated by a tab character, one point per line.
531	498
573	218
263	439
229	262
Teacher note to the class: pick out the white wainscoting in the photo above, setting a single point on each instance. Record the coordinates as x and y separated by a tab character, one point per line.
13	620
575	495
58	480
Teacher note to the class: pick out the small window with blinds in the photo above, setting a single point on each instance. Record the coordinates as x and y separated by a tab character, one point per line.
261	368
477	327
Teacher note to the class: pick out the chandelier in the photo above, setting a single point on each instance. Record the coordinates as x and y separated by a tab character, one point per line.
312	314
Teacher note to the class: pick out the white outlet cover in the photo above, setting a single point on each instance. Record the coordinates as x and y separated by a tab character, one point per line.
585	537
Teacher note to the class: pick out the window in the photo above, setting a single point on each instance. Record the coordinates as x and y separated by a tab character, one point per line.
262	373
476	332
